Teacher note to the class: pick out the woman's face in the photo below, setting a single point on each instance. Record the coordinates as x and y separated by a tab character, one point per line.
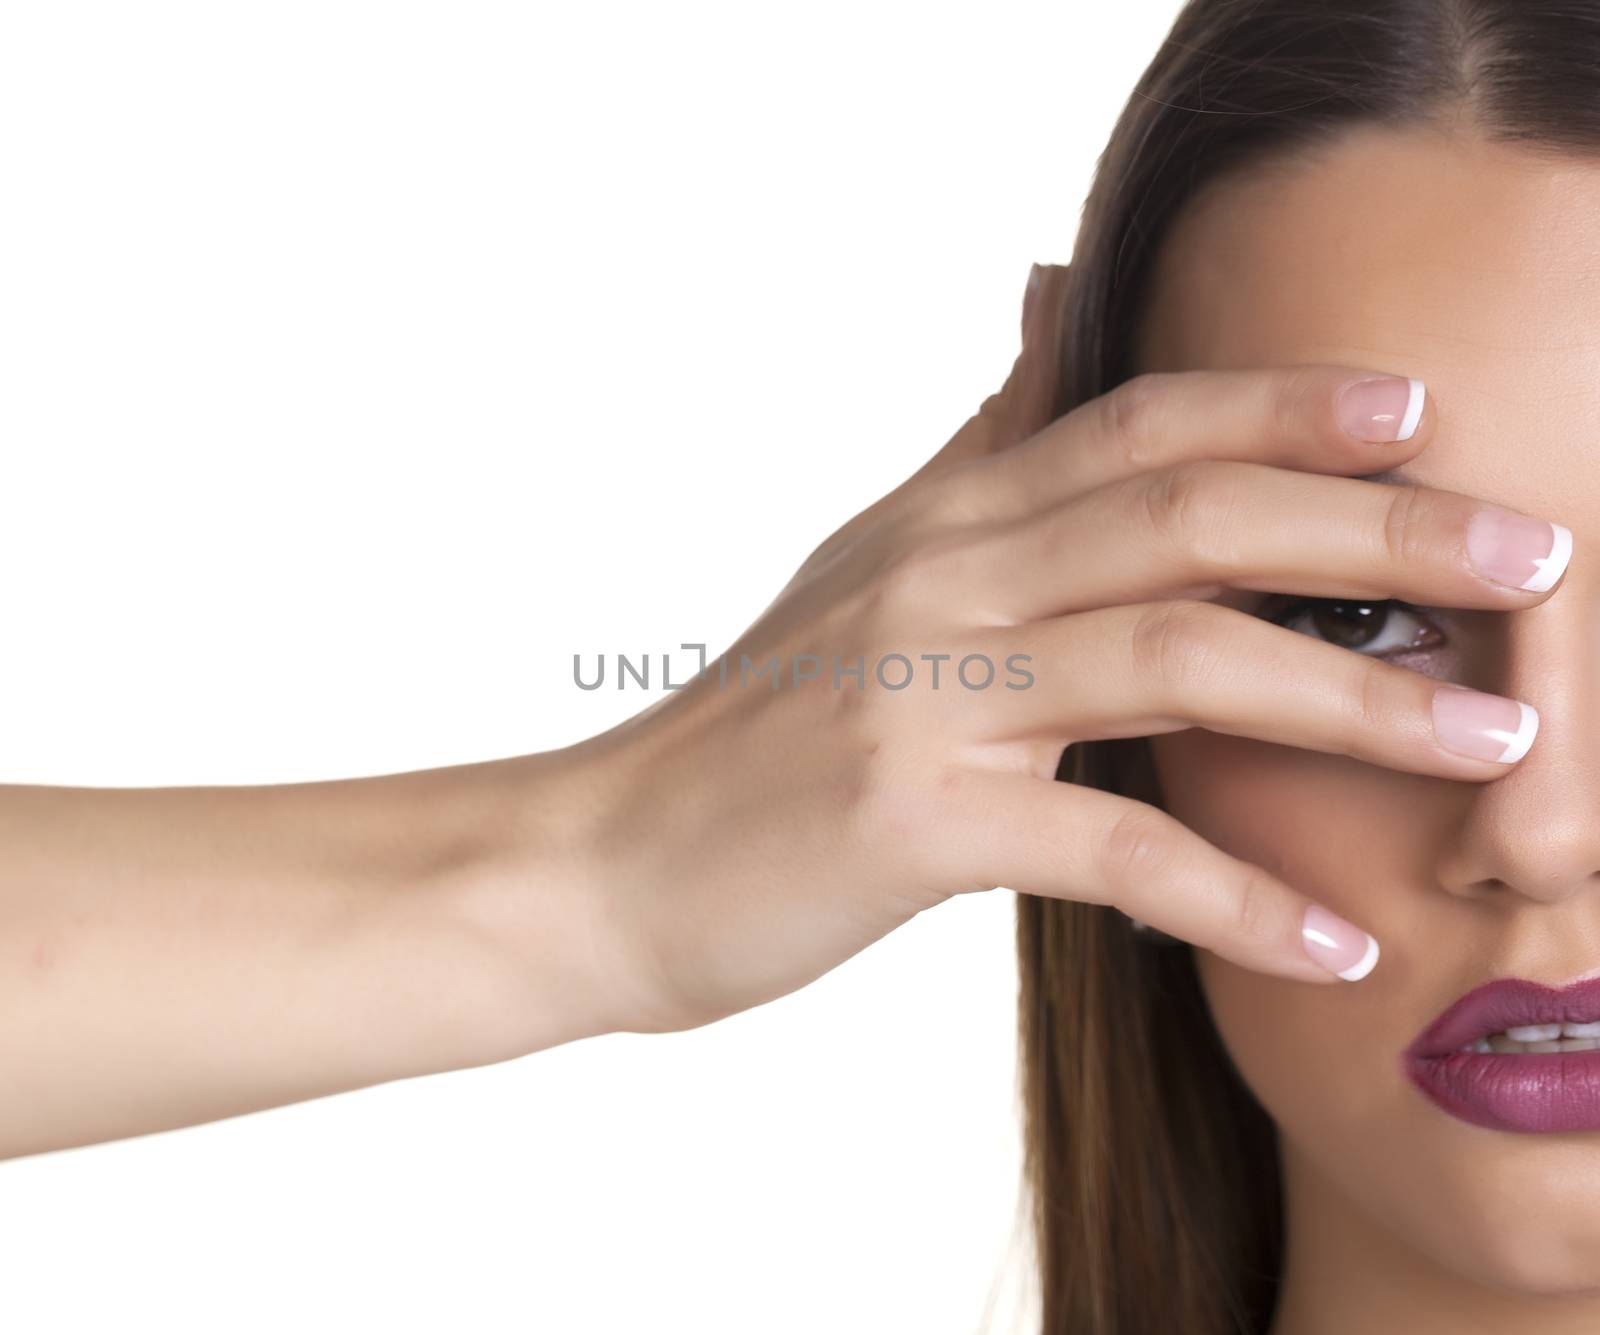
1476	267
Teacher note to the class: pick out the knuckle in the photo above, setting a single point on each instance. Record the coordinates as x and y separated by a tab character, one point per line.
1181	508
951	497
883	803
866	538
1299	398
896	581
1136	848
1129	411
1178	641
1404	529
915	576
1255	907
1375	712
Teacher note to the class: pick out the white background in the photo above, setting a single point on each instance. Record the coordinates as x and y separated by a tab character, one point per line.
361	362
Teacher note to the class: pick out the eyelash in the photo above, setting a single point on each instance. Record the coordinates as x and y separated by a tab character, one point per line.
1282	609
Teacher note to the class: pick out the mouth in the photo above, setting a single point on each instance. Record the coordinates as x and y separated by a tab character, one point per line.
1515	1055
1512	1015
1564	1037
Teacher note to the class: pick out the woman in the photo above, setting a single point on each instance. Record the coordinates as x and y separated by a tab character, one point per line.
1301	710
1210	1149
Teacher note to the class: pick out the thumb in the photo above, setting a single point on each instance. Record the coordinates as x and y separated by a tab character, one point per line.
1023	405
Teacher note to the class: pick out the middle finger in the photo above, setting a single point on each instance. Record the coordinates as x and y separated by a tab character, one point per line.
1198	528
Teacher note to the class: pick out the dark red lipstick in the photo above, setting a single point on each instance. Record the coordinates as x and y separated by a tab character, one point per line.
1511	1091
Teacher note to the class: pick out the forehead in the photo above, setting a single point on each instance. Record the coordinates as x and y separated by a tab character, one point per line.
1424	251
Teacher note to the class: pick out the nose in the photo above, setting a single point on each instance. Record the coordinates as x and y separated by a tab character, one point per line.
1534	833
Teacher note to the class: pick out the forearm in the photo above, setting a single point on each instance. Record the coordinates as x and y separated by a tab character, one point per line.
175	955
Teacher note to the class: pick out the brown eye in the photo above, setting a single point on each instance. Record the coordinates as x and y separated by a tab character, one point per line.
1368	628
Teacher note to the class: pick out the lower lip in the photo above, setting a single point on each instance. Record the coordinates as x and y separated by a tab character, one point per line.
1514	1091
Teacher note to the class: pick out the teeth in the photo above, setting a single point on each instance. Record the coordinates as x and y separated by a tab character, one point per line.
1574	1037
1534	1033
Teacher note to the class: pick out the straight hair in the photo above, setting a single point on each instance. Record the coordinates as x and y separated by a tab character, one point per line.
1152	1175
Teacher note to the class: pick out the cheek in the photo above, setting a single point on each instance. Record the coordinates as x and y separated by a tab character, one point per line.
1310	818
1317	1059
1513	1211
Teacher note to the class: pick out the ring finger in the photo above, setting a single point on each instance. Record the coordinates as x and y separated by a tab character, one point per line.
1151	668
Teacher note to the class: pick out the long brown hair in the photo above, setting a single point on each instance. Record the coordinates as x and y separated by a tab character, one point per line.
1151	1172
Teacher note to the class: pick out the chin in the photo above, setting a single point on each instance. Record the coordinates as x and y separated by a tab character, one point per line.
1515	1212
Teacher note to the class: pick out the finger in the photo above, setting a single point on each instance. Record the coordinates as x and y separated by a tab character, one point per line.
1160	667
1025	403
1292	417
1206	527
1069	841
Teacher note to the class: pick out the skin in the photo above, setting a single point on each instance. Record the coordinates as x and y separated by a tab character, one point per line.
174	955
1430	252
179	954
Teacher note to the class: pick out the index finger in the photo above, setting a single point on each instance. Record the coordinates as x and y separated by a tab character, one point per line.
1316	418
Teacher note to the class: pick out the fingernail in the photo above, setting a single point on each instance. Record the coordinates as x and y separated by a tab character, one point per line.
1381	408
1516	549
1338	946
1483	726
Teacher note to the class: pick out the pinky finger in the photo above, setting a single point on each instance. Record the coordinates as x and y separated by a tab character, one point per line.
1070	841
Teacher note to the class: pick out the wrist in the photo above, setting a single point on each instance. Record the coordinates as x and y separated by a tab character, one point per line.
514	867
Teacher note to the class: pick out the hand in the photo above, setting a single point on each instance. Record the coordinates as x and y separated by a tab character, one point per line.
743	840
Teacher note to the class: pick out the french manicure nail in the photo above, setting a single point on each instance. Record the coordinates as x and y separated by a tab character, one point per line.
1483	726
1338	946
1516	549
1381	408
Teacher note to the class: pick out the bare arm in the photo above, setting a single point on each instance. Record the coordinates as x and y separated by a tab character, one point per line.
175	955
169	956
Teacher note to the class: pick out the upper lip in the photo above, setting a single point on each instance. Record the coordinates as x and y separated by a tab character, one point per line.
1502	1004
